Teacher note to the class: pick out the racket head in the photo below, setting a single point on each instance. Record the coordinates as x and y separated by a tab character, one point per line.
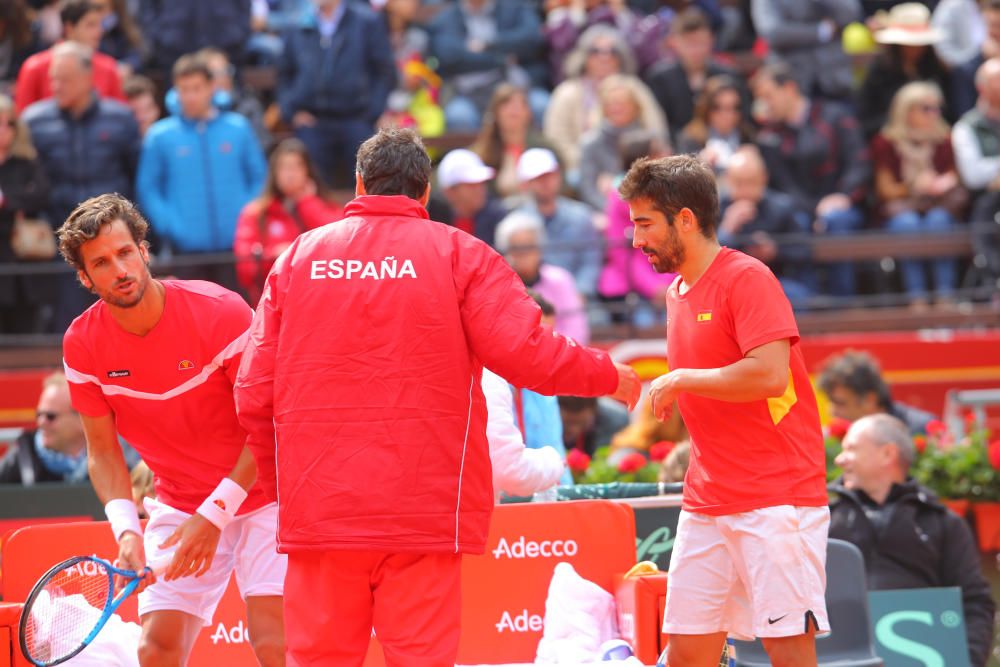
67	607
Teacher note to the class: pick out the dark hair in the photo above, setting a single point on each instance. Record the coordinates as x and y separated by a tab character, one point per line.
289	146
697	129
989	5
14	16
778	72
72	12
394	162
138	85
87	219
489	144
859	373
547	308
189	64
577	403
673	183
637	143
126	23
689	20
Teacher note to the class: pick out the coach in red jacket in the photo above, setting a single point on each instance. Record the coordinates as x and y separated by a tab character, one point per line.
360	393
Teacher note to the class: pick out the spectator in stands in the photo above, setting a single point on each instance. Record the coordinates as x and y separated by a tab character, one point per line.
962	95
600	162
815	153
720	124
176	27
759	221
575	107
230	97
589	423
962	29
81	20
573	241
25	192
678	82
627	270
567	20
87	145
198	169
645	430
294	201
909	56
853	383
521	239
18	39
506	134
464	199
140	94
916	182
806	36
976	142
56	450
121	39
908	538
675	466
479	44
143	487
335	76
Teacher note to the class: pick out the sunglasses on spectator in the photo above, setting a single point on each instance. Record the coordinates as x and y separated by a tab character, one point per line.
929	108
602	51
48	416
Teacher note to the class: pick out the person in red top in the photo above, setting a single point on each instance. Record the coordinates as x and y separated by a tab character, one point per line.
81	20
360	392
293	202
749	556
154	361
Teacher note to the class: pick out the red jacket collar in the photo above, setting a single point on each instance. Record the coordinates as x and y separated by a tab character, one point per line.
399	206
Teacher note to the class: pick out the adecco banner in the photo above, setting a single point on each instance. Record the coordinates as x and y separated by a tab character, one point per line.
920	627
504	590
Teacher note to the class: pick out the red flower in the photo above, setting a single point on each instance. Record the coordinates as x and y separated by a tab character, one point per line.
577	460
838	428
658	451
970	418
920	443
632	463
994	454
935	428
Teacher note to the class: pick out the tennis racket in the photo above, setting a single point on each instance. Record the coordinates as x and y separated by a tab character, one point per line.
70	604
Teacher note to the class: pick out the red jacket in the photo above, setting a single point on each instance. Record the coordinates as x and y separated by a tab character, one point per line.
254	255
359	386
33	80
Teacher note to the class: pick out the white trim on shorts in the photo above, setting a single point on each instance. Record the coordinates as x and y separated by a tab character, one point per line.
760	573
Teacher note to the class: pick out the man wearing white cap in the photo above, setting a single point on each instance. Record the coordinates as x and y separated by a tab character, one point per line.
466	203
573	242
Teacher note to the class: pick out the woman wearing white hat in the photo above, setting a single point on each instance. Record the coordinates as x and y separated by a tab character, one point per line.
908	56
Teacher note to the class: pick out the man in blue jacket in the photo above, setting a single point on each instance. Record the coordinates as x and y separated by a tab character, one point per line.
197	170
335	76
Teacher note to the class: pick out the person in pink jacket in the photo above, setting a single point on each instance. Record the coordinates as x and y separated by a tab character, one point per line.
360	393
293	201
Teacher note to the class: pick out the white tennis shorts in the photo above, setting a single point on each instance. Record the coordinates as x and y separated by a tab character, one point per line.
247	546
760	573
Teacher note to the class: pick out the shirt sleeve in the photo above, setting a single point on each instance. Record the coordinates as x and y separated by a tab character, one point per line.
760	310
84	386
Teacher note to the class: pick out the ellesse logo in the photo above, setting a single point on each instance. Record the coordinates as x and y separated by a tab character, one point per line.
185	365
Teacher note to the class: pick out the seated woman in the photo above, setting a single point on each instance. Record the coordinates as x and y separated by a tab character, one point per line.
719	125
294	201
916	183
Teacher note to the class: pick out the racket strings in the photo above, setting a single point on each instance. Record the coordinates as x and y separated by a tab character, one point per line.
66	610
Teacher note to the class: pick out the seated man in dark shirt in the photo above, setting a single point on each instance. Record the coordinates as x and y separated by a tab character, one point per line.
908	538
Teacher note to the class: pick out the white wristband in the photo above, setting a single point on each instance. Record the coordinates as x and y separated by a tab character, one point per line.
222	504
123	517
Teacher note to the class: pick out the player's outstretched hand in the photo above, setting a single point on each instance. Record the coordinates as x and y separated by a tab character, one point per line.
132	556
662	394
198	539
628	386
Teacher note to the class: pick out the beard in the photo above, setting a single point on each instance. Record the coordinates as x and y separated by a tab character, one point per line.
131	301
668	257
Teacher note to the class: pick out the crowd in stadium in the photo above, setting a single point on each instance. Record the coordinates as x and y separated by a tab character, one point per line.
821	119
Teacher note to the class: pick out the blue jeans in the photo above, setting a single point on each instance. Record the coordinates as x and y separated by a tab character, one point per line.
462	114
912	270
797	292
841	275
333	145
